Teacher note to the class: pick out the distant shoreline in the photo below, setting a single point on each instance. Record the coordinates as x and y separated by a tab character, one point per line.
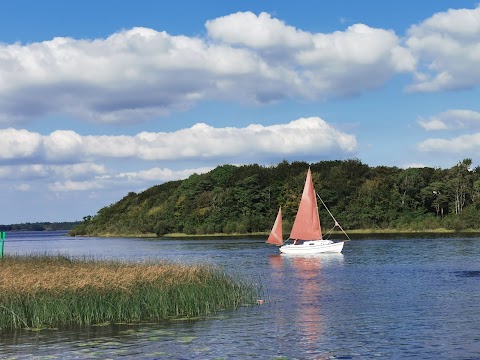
359	232
41	226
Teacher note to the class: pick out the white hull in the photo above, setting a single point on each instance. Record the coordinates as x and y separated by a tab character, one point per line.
313	247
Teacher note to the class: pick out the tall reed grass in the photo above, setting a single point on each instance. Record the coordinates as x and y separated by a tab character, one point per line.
41	291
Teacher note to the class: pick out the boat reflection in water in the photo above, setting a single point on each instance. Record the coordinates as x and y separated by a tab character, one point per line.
307	284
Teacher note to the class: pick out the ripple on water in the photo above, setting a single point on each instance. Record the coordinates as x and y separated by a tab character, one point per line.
385	299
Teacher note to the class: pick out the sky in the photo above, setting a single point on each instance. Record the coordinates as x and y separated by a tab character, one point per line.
102	98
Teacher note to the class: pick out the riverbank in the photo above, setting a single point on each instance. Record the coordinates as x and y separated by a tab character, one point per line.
45	292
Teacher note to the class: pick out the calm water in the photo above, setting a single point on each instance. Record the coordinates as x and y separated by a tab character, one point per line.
385	299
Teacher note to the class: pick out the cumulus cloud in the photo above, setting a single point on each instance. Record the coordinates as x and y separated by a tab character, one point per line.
140	73
452	120
78	171
19	143
70	185
262	31
160	174
447	47
67	161
457	121
132	179
87	177
464	144
202	141
46	171
304	136
62	144
127	77
353	61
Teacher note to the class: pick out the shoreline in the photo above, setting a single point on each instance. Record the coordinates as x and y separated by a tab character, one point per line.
360	232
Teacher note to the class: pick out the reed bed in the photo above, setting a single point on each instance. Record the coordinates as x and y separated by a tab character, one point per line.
44	292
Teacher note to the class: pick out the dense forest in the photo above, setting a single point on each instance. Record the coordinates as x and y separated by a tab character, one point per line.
40	226
245	199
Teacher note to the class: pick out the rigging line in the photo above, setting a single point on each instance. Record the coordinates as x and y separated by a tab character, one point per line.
330	231
336	222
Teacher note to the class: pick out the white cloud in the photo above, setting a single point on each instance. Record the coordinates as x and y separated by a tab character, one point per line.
358	44
262	31
447	46
202	141
69	185
432	124
45	171
305	136
159	174
452	120
66	161
78	171
143	178
88	177
141	73
62	144
353	61
464	144
122	146
19	143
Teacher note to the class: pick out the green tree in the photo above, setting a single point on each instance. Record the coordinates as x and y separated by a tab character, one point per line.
436	196
409	184
461	184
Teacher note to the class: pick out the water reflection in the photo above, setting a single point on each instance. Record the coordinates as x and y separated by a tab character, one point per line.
309	317
304	275
401	299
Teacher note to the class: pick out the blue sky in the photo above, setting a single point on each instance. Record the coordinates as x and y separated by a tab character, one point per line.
102	98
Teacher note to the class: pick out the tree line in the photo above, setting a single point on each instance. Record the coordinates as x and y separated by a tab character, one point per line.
40	226
245	199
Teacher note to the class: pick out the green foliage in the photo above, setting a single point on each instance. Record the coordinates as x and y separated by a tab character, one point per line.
41	226
243	199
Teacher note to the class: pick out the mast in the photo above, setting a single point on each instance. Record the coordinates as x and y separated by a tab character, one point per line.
307	222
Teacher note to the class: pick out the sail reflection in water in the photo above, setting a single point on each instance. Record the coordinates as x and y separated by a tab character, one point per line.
308	285
308	273
382	299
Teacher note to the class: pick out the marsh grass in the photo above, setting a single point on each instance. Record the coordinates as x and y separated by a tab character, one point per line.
43	291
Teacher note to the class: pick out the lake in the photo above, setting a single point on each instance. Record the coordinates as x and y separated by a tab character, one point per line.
382	298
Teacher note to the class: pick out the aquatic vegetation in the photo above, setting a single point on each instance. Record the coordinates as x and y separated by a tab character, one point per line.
44	291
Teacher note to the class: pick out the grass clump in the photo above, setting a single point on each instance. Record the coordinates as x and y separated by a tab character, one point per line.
42	291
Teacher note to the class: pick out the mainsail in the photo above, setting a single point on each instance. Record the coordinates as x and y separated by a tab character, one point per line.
307	222
276	235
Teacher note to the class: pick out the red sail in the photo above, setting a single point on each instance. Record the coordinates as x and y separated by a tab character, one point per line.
307	222
276	235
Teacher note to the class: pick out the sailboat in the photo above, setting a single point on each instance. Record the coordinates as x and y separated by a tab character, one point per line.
306	231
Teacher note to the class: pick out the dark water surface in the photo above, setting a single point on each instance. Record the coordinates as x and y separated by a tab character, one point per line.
384	299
